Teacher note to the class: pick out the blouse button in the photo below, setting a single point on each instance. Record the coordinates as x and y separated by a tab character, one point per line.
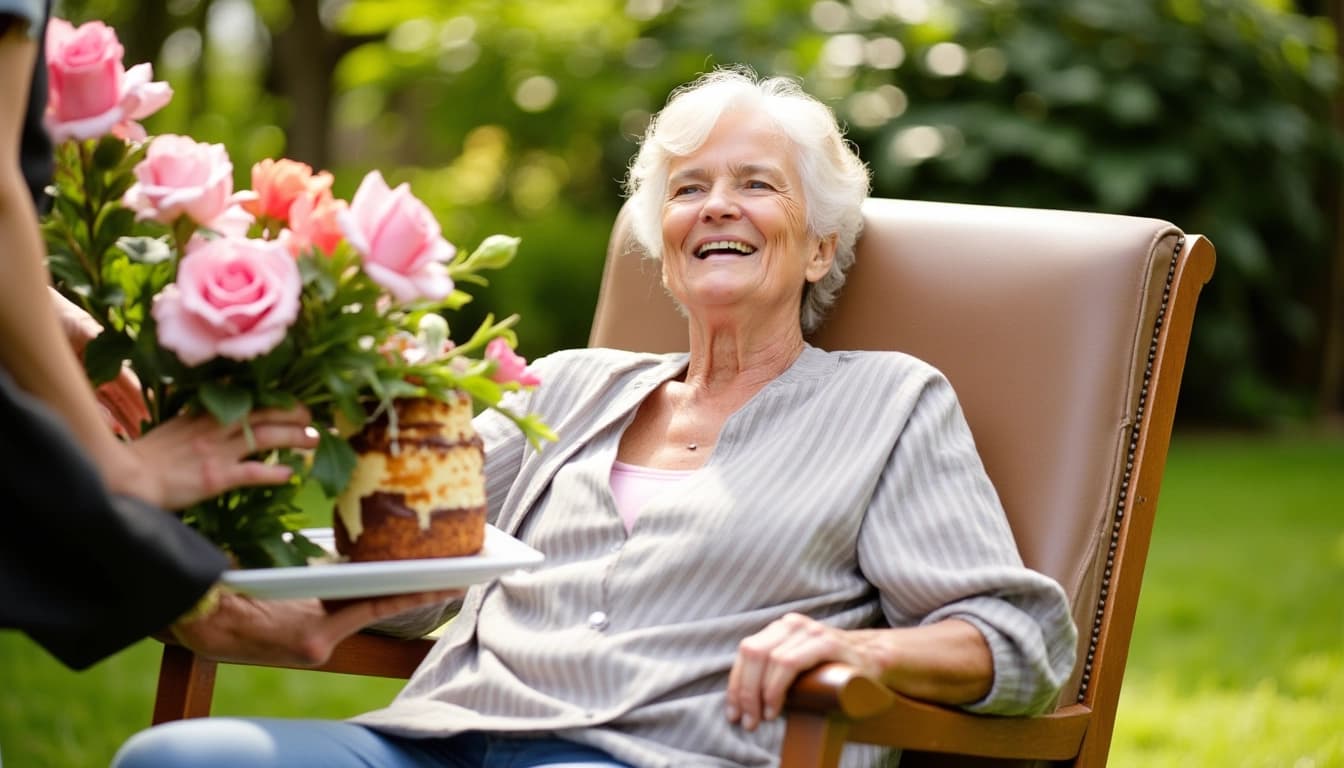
598	620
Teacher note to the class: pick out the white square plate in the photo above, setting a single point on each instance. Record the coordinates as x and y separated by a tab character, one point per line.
501	554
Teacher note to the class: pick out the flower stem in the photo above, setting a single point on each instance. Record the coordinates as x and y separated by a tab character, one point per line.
90	210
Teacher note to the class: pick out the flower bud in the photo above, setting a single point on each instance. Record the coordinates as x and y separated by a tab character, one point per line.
433	332
494	252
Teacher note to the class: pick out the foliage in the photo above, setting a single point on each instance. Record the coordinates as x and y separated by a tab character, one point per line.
1212	114
522	115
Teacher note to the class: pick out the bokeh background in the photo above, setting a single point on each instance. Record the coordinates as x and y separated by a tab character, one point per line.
520	116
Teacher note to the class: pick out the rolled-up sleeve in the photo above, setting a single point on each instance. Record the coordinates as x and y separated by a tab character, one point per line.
937	545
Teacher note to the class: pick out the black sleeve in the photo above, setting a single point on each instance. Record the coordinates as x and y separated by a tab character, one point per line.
83	573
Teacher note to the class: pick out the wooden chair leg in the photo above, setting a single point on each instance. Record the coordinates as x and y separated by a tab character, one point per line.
186	685
812	741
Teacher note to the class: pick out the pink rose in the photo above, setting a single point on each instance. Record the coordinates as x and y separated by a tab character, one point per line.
181	177
510	367
233	298
90	93
400	240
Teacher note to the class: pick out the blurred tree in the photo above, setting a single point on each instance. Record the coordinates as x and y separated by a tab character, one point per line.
1211	113
1330	393
521	115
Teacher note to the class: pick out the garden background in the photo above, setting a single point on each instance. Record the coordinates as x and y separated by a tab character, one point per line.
519	116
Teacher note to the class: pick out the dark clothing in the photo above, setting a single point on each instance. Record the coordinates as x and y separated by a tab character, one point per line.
35	151
82	572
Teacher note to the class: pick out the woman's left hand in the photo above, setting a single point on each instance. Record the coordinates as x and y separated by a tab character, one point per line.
769	661
290	632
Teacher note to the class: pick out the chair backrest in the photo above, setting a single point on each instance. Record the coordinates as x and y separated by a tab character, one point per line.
1047	323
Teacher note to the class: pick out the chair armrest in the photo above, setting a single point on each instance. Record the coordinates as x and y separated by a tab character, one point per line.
878	715
363	654
378	655
839	689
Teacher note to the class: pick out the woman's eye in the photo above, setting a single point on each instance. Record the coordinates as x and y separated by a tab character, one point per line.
758	184
685	190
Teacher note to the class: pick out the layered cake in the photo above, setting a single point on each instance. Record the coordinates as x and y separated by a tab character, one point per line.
418	488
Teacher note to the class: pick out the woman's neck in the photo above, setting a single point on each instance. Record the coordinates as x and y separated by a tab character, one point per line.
722	360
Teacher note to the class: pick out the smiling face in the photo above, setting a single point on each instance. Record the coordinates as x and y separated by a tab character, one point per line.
735	234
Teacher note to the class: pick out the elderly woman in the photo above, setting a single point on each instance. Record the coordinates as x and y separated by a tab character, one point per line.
714	522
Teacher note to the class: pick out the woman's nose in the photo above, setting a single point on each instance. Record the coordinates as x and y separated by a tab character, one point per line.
719	203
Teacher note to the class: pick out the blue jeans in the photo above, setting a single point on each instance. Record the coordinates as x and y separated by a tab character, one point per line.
220	742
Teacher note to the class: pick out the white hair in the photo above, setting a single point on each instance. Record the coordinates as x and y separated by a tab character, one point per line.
834	179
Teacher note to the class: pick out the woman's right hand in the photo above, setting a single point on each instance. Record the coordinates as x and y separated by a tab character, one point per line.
187	458
191	458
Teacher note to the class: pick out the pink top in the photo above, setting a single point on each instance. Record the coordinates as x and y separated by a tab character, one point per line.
632	486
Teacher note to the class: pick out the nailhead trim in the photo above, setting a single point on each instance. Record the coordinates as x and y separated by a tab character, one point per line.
1129	467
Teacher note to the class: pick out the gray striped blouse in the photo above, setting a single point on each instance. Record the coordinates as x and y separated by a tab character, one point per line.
848	489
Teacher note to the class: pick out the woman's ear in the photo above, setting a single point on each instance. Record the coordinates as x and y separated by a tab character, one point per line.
822	256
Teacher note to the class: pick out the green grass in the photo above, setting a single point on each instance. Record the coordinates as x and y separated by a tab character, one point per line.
1237	660
1238	651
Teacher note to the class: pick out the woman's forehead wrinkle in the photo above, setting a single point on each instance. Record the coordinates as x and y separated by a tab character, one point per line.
693	173
757	169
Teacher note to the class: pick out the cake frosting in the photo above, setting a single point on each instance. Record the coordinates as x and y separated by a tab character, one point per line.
418	487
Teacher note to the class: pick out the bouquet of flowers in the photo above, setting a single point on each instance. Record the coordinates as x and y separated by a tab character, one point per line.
226	301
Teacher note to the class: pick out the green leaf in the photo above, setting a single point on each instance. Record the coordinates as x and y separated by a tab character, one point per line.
109	153
110	296
396	388
536	430
227	404
114	221
482	389
66	205
69	273
281	553
345	394
315	273
273	398
145	250
120	181
456	300
305	547
272	365
105	353
333	463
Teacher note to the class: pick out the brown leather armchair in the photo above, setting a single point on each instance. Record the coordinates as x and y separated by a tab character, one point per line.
1065	336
